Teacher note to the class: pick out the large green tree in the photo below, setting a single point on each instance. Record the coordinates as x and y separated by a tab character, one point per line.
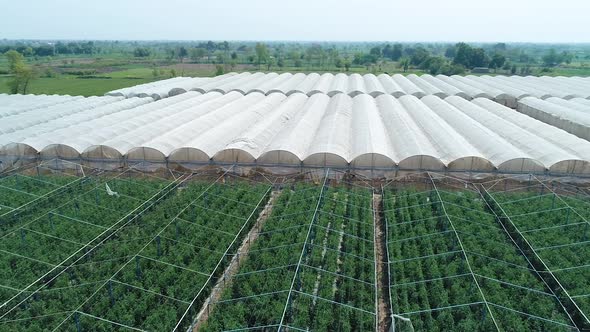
497	61
22	73
261	53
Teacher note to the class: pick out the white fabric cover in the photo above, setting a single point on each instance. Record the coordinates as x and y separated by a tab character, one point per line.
504	89
362	132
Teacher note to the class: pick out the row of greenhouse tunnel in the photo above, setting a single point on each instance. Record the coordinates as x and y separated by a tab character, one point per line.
288	130
503	89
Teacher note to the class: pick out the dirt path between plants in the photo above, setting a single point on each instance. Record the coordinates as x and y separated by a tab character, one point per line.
382	265
234	265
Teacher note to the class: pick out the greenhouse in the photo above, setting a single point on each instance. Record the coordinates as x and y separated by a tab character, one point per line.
381	134
506	90
572	115
293	202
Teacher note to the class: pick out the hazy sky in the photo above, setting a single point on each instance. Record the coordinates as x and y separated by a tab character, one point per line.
337	20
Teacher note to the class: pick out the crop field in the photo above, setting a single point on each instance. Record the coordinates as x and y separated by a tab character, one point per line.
453	267
312	266
90	250
556	227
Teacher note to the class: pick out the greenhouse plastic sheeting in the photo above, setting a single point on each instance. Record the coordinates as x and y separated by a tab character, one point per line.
569	115
276	130
506	90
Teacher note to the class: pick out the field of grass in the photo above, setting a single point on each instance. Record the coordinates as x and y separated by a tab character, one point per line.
75	86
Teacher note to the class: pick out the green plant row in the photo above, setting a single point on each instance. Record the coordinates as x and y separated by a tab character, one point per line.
558	230
148	272
431	234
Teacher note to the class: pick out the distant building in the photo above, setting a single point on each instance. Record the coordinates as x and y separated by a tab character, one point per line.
480	70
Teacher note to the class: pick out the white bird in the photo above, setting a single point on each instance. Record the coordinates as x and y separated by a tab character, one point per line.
110	192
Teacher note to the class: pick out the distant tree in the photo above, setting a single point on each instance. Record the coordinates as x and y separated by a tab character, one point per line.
434	64
450	52
315	51
270	62
170	54
497	61
294	56
365	59
404	63
566	57
181	53
49	72
419	56
173	72
141	52
219	70
22	73
281	63
197	53
463	53
28	51
479	58
45	50
261	53
339	63
396	52
470	57
220	58
524	58
454	70
211	47
387	51
298	63
551	59
347	65
409	51
513	70
500	47
234	55
376	51
15	59
155	72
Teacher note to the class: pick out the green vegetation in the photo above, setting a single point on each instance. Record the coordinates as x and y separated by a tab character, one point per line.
118	250
95	67
557	228
328	275
21	73
453	267
144	275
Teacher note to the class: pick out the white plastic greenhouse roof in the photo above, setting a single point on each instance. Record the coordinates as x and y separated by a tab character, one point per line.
571	115
382	132
504	89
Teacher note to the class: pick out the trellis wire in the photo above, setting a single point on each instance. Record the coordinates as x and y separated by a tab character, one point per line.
180	181
464	254
221	259
168	187
303	250
536	255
